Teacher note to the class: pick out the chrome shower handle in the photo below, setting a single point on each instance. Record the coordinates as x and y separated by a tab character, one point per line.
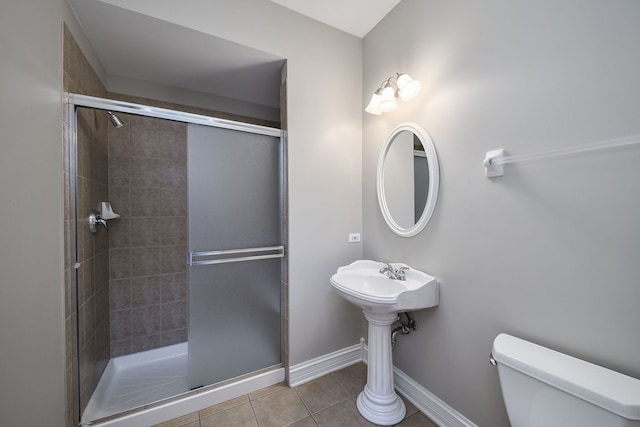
94	220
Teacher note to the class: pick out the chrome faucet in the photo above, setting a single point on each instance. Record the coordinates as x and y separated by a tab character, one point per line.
388	270
394	273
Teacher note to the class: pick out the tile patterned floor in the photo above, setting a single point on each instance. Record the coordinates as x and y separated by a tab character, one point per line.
329	401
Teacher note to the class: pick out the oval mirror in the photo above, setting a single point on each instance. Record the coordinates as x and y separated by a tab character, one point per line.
408	179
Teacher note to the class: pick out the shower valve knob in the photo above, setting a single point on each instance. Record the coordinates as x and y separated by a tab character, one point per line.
95	220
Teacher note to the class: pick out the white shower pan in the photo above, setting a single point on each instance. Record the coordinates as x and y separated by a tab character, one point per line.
135	380
159	376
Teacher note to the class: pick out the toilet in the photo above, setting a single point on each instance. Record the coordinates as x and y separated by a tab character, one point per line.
544	388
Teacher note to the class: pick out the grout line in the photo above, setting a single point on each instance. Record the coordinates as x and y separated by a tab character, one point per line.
342	387
254	410
303	402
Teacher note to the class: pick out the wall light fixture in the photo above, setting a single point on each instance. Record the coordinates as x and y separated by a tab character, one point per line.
384	98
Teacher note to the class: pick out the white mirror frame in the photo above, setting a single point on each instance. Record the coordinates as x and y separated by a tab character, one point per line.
434	180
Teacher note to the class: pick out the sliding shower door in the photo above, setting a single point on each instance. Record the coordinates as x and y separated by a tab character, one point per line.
235	253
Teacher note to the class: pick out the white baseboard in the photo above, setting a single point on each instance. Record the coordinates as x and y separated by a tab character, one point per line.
426	402
323	365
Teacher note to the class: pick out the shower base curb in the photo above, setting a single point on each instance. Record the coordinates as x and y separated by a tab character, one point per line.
195	403
192	401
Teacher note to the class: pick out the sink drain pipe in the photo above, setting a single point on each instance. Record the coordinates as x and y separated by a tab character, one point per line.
404	328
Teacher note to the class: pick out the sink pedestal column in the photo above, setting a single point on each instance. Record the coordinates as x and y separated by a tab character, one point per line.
379	402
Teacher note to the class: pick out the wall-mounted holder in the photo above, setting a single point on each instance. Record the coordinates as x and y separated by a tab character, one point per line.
492	163
100	217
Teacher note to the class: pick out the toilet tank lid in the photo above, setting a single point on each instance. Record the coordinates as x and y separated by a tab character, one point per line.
613	391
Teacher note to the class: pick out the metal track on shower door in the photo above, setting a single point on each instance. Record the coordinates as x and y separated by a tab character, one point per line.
164	113
226	256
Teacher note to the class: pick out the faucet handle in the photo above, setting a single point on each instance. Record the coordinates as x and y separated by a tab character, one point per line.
386	268
94	220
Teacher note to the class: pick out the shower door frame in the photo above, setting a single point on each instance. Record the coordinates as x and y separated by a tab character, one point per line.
77	100
214	393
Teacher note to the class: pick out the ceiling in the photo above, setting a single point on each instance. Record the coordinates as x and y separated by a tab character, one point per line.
137	46
356	17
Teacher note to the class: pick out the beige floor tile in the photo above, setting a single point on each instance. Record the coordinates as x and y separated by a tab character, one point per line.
224	406
267	390
411	409
344	414
238	416
189	420
321	393
279	409
305	422
417	420
352	378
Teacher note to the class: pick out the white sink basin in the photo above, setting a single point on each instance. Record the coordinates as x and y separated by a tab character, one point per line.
362	284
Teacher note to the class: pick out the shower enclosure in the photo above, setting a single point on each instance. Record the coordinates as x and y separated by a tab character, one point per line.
180	297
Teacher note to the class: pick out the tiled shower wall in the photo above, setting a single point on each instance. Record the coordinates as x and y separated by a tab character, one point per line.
148	244
93	251
92	290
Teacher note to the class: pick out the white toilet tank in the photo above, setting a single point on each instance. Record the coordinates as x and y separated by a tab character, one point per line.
545	388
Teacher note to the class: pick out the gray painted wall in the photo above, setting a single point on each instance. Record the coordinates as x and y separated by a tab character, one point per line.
31	231
146	89
549	252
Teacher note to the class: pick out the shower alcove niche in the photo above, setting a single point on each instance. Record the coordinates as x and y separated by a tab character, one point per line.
131	296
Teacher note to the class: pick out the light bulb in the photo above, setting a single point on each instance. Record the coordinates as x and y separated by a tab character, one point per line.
373	107
388	101
408	87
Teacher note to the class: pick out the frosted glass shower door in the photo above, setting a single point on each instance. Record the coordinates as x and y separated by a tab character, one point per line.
235	257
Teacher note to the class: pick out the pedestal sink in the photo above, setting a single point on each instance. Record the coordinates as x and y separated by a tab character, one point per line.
381	299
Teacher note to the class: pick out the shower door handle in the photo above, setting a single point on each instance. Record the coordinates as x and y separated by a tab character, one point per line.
226	256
